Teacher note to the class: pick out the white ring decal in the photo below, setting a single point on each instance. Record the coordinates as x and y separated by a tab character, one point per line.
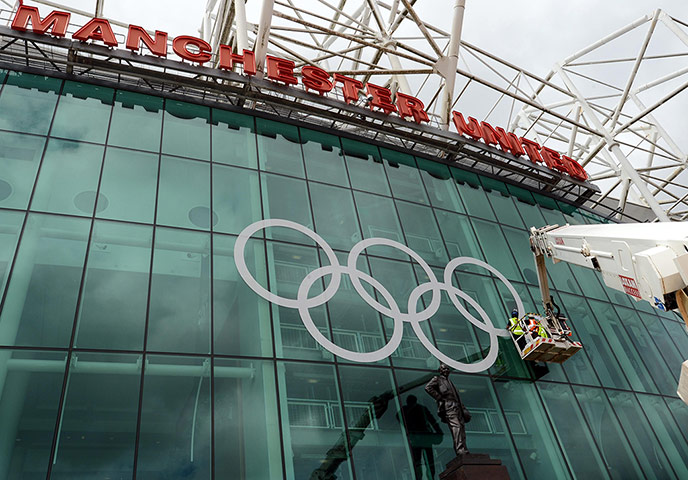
303	303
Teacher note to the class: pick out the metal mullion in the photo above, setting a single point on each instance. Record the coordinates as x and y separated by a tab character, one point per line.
211	307
144	356
77	311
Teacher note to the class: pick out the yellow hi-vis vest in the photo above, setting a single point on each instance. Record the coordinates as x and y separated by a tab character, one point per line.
514	326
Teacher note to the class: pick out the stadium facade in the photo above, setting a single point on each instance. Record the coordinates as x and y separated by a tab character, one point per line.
204	280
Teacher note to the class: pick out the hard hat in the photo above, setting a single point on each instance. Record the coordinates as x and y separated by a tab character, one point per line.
514	313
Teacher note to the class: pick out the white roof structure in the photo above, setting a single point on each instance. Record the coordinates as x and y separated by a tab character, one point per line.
609	106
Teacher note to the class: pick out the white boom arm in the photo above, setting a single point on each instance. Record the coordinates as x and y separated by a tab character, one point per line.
648	261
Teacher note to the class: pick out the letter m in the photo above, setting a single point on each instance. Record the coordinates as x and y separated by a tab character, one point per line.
56	21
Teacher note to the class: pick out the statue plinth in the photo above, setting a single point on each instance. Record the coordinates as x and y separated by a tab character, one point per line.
475	466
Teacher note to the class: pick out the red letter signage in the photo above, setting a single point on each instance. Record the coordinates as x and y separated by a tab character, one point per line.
350	87
137	34
411	107
317	79
281	70
97	29
531	149
472	128
180	45
56	21
382	98
228	59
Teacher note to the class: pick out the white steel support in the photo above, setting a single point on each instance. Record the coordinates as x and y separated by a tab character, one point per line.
451	63
624	164
261	46
241	26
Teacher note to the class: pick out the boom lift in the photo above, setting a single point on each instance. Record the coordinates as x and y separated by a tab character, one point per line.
647	261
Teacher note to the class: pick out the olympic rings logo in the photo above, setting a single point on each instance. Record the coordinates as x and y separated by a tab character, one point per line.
303	303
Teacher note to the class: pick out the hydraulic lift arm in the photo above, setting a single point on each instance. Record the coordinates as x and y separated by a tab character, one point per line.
647	261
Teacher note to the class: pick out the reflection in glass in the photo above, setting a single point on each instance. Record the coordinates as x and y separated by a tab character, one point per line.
128	186
236	198
312	424
136	121
279	148
422	234
186	130
378	443
113	301
404	177
28	102
42	291
98	424
440	185
179	317
184	193
30	386
10	224
234	139
19	159
241	316
175	419
68	178
83	112
247	432
324	159
286	198
365	167
335	215
379	218
532	432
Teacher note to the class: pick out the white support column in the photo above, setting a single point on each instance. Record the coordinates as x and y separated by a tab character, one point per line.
450	62
261	46
241	27
624	164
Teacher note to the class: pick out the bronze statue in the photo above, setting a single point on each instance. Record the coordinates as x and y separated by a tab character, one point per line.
450	409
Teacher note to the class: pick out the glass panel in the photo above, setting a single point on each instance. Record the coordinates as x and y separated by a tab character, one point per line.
184	194
475	201
234	139
647	449
19	159
335	215
128	186
519	241
28	102
668	431
288	266
614	448
378	444
594	341
30	387
286	198
175	419
180	292
578	446
83	112
186	130
458	235
531	431
279	148
550	210
113	301
68	178
589	282
660	365
404	177
422	234
247	433
379	218
365	167
312	425
355	325
324	158
241	317
623	347
98	425
10	225
236	198
136	121
502	203
496	248
440	185
42	291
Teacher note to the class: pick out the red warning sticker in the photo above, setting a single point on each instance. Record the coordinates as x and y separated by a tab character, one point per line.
558	240
629	286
